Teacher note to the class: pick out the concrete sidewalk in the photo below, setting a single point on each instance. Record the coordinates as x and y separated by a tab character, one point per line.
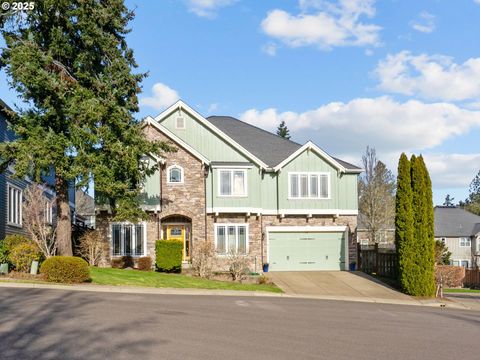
232	293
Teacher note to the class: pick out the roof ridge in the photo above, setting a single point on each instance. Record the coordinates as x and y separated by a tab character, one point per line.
254	126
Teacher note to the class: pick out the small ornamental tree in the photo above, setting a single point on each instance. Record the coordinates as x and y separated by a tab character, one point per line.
283	131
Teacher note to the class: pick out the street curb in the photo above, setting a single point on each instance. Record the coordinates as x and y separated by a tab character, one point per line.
232	293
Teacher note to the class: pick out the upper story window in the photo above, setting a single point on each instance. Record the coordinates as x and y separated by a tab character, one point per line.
175	175
180	123
14	205
233	182
309	185
465	242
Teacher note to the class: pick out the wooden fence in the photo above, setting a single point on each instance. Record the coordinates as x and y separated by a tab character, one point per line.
381	262
472	278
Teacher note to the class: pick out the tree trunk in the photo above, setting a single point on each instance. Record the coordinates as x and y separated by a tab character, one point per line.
64	219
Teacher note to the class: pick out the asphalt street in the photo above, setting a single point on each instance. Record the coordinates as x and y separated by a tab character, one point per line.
57	324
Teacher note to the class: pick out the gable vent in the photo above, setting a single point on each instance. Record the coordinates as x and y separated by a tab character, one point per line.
180	123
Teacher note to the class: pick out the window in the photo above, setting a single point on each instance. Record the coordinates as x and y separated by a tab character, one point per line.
309	185
48	212
175	174
128	239
231	239
464	263
465	242
179	123
233	183
14	205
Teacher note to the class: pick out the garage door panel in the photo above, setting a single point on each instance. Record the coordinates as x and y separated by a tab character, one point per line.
301	251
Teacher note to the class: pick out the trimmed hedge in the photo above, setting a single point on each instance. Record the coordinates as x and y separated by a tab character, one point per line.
169	255
22	255
65	269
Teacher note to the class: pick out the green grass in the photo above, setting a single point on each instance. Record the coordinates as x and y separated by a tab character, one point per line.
461	291
108	276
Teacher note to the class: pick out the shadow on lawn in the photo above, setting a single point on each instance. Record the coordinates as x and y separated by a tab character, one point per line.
54	324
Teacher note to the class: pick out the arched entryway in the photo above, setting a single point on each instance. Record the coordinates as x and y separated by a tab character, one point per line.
178	227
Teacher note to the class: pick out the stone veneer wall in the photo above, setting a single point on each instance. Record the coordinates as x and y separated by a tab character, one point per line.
257	232
318	220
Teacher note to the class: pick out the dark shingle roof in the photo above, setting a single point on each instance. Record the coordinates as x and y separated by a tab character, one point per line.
268	147
451	221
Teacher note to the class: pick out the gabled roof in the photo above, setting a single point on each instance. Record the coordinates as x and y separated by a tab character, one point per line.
265	149
150	121
451	221
272	149
183	106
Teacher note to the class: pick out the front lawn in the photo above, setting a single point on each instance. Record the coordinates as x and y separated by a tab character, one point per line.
109	276
461	291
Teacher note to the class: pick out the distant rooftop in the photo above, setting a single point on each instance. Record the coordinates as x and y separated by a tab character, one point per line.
452	221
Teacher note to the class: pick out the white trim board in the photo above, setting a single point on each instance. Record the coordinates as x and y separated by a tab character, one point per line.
246	210
151	121
183	106
311	146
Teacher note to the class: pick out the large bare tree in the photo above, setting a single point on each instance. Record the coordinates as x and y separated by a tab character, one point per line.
376	189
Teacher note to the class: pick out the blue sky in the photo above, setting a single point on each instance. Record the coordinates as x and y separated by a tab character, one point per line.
395	75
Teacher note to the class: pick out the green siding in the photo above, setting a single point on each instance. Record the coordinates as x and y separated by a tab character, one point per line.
303	251
203	139
151	193
343	187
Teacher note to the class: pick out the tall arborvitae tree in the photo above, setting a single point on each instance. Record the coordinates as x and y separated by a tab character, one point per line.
70	63
283	131
423	279
404	240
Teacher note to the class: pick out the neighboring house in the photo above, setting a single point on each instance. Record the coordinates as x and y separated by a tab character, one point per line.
385	236
12	188
460	231
245	190
85	209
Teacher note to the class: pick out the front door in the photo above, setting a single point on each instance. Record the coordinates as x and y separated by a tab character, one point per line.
181	232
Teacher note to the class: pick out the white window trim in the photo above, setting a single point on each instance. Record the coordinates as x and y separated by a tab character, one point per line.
48	212
9	209
308	173
226	225
231	171
460	242
122	250
182	175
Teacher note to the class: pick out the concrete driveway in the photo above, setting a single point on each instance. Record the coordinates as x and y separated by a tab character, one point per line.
335	284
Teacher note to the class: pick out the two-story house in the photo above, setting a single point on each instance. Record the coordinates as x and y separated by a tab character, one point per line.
245	190
460	231
12	188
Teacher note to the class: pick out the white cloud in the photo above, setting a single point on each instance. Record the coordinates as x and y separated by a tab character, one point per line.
476	1
212	107
270	49
345	129
207	8
452	170
431	77
163	96
425	23
324	24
